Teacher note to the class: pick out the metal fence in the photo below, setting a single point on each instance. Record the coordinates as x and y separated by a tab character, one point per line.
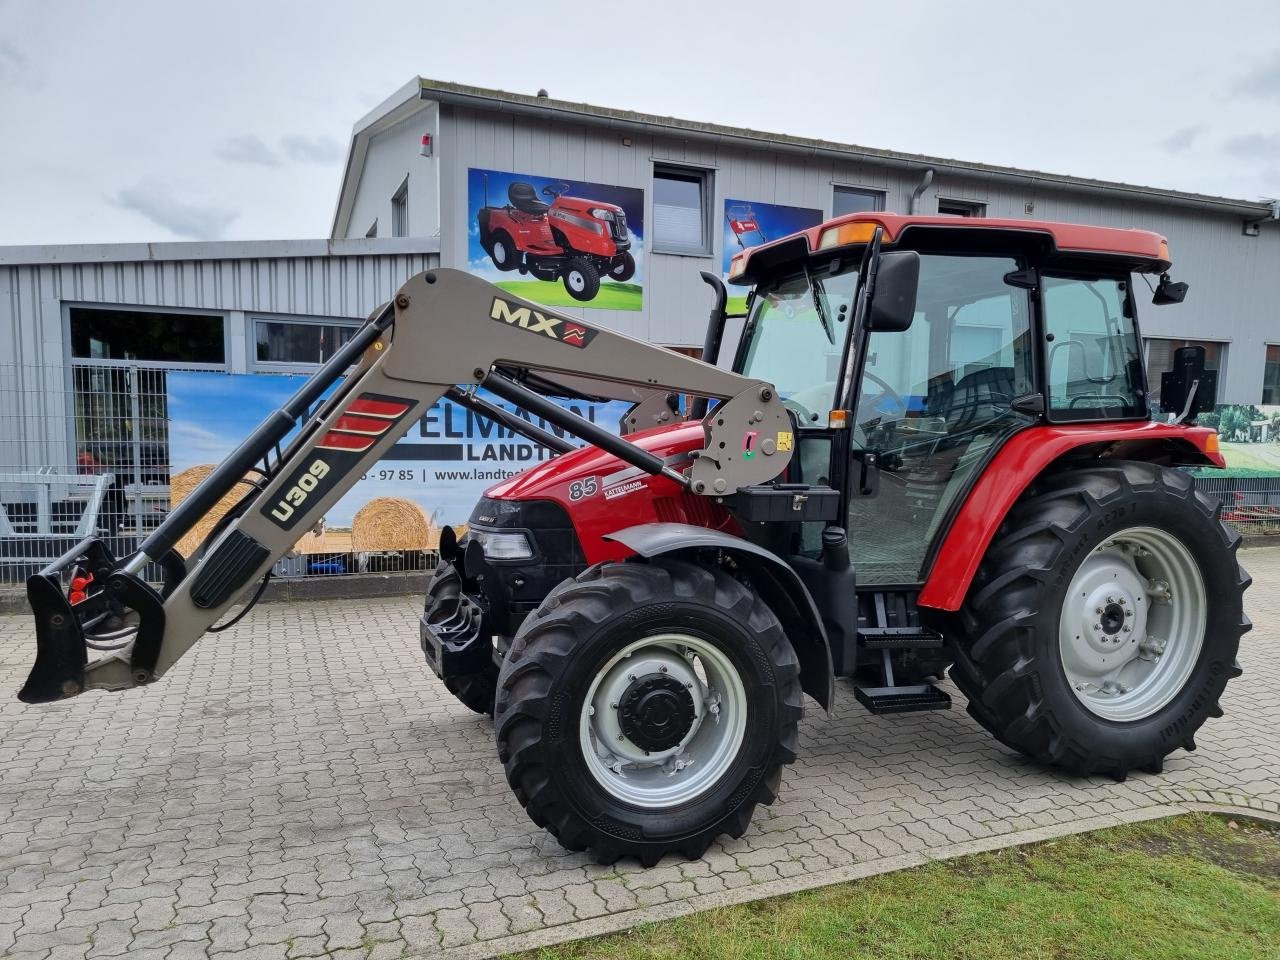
85	450
1250	504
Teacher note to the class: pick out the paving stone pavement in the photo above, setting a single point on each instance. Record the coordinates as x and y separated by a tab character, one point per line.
301	786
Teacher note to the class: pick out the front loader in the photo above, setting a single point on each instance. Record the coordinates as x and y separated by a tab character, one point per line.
930	452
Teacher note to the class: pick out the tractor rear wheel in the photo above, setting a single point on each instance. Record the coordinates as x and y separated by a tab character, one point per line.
472	690
646	708
502	251
581	279
1104	622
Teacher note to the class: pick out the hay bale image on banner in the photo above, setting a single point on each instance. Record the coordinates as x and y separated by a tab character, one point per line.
562	242
393	523
430	478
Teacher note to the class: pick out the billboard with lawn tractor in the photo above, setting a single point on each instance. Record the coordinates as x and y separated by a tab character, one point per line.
431	477
562	242
748	223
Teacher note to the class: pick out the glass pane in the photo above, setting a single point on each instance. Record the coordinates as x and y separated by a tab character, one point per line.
935	400
145	335
1160	360
1271	377
677	211
279	341
848	200
798	329
1093	361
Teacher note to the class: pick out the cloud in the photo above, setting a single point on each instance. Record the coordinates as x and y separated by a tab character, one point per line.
320	149
1254	146
1264	80
181	215
248	148
1180	140
16	69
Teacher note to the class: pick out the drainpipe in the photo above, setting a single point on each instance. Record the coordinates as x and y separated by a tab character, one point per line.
916	193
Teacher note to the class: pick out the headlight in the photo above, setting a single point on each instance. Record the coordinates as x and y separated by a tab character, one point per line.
503	546
600	213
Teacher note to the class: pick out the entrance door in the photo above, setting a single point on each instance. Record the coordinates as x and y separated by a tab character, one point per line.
935	401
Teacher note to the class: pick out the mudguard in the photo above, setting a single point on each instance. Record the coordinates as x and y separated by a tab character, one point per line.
772	576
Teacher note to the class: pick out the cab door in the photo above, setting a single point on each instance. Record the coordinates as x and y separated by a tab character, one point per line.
935	402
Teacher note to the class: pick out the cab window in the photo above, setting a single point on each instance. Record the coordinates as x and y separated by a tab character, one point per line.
1093	358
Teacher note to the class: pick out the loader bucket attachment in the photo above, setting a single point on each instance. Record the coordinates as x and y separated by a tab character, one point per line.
61	654
70	623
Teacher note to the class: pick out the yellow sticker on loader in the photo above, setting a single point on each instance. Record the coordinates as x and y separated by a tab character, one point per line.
784	440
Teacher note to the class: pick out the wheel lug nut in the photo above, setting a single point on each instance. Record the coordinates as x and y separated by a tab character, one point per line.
663	668
1097	626
614	706
621	736
1098	610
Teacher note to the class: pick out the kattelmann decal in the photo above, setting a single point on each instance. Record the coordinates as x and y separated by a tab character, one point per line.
622	489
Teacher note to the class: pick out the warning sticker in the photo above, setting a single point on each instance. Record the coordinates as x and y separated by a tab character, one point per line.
785	440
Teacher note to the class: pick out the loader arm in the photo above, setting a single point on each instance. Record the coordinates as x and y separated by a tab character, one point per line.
444	332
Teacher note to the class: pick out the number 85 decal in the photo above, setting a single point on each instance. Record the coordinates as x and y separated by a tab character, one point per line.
580	489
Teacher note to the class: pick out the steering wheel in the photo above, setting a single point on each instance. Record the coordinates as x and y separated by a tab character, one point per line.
885	391
554	194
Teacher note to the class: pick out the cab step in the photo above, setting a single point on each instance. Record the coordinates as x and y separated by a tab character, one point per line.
900	638
903	699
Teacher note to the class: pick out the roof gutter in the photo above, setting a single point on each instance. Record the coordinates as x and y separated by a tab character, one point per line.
641	124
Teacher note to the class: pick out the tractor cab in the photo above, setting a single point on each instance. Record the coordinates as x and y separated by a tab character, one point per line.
1009	326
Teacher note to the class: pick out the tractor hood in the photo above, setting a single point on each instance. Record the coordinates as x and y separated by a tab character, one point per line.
584	206
551	480
602	494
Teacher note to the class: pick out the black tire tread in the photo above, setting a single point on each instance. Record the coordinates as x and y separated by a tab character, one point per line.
543	646
995	666
475	691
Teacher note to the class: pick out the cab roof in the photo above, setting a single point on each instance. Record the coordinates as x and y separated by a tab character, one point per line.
1141	250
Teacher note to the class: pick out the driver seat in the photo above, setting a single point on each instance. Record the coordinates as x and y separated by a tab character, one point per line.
523	198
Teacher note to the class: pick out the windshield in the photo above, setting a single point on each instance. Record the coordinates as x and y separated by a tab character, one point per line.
795	337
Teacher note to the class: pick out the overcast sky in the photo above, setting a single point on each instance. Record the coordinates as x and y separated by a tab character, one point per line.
127	121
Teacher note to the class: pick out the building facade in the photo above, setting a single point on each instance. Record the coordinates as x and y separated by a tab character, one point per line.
691	175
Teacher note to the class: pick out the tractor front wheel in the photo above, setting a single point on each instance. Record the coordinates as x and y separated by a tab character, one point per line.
623	268
646	708
581	279
1104	622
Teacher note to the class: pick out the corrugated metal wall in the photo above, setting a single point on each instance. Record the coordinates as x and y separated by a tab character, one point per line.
34	373
1230	274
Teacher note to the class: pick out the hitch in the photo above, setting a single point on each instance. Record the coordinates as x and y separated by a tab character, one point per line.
107	608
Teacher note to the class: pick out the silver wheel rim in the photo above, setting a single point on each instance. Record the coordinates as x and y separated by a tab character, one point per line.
500	252
1133	623
577	282
695	765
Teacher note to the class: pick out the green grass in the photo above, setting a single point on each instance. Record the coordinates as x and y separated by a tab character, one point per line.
1263	457
1187	887
612	296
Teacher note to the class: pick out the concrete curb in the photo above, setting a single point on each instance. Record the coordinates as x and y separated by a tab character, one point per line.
615	923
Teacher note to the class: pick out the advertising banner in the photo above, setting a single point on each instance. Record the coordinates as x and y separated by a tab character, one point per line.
565	243
748	223
432	477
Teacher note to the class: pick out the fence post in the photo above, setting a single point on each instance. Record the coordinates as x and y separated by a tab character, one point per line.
135	414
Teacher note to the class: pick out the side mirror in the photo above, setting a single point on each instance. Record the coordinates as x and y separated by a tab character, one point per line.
1169	292
893	301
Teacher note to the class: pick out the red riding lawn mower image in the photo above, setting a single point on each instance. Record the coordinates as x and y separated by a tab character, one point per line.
572	239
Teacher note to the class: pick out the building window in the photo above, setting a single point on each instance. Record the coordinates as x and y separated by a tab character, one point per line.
1271	377
961	208
1160	360
148	336
681	205
372	232
299	341
853	200
400	211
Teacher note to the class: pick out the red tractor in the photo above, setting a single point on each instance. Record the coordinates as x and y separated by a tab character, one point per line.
572	239
929	453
